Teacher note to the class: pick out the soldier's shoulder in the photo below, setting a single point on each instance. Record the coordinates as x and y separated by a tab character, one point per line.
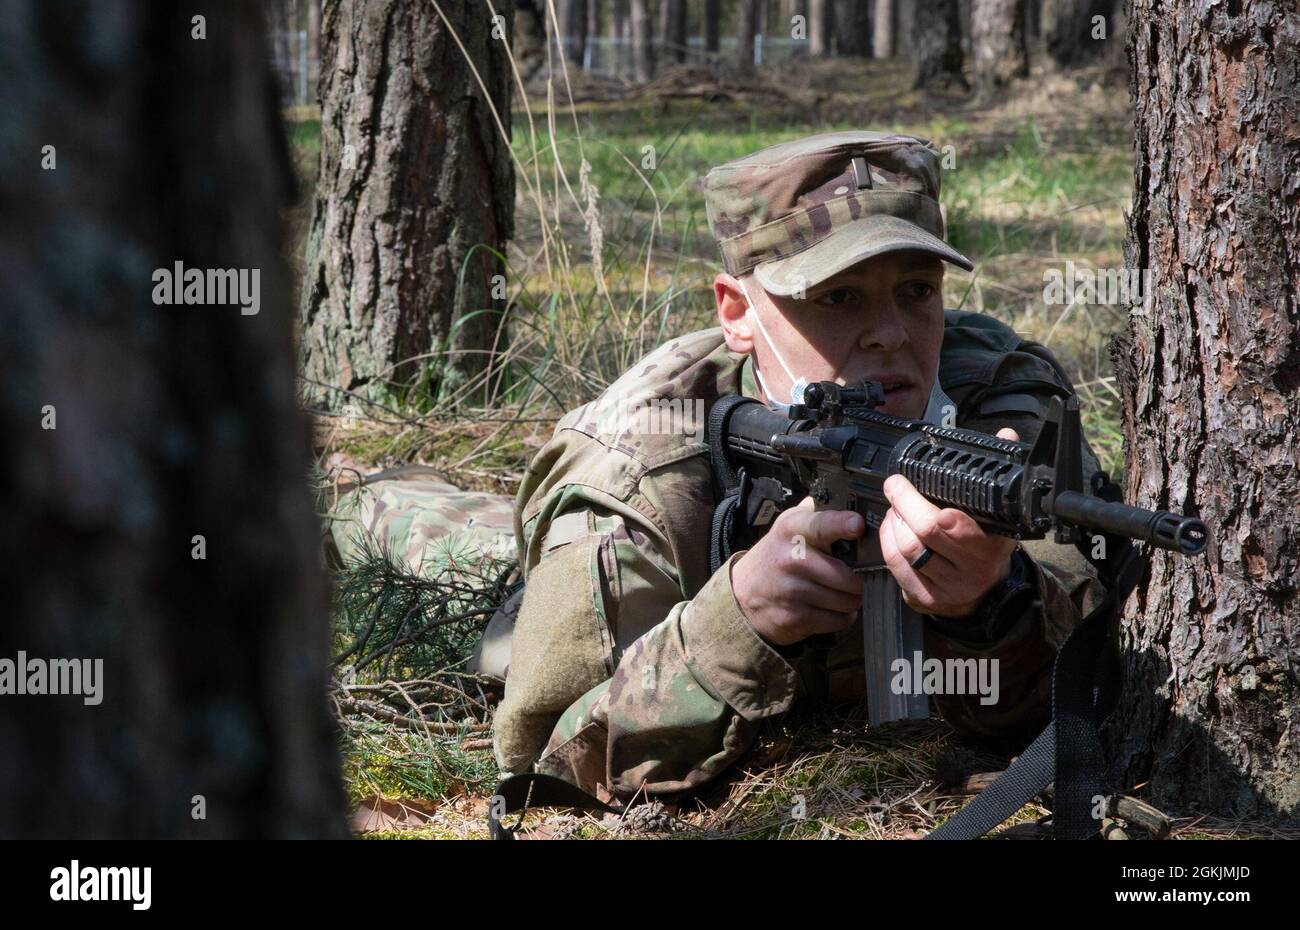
655	412
981	353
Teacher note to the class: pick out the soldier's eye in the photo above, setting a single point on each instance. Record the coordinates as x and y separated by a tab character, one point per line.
837	297
919	290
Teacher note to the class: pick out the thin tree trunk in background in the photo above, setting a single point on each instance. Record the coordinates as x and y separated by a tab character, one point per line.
1210	370
170	422
643	63
416	187
595	27
786	11
675	34
936	44
712	20
528	43
571	39
313	48
1033	20
997	44
618	34
882	30
746	29
573	29
904	24
852	21
1069	28
821	27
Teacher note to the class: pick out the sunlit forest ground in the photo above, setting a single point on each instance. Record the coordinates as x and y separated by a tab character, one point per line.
611	256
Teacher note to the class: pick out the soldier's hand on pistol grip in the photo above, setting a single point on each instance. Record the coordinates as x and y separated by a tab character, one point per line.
789	586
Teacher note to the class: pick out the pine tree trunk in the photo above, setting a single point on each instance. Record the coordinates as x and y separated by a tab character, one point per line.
821	26
170	422
998	44
746	29
1070	32
712	27
882	31
313	49
675	30
643	62
528	43
852	23
1211	370
936	44
619	52
416	187
573	30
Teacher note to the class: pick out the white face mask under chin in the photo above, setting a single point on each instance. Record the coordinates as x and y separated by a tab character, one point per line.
797	385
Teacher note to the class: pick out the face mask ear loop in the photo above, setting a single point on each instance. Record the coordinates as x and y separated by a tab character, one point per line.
797	385
766	338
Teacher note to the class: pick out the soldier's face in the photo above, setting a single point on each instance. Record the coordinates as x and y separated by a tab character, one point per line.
881	319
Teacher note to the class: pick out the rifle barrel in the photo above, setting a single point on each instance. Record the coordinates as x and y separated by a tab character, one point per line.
1160	528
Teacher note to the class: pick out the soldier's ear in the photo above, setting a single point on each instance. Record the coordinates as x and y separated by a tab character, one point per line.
736	327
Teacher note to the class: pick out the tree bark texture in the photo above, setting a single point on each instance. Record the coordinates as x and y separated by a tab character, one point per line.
170	422
416	188
1210	370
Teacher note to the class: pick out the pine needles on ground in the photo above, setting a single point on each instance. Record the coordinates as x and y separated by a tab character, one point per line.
415	722
393	622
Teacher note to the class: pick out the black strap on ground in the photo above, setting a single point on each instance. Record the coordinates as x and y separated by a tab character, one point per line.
531	789
1084	690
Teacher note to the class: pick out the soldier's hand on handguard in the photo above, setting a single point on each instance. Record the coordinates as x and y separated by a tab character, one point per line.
965	562
789	586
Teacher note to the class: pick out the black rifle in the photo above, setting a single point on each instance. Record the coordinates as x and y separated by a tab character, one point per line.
837	448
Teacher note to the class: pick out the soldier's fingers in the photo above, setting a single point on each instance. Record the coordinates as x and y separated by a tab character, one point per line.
829	572
919	592
1008	433
807	594
937	567
947	531
827	621
821	528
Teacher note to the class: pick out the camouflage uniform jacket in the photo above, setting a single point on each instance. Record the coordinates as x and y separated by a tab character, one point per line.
633	669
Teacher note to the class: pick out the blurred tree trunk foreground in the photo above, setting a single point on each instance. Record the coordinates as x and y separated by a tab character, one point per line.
158	518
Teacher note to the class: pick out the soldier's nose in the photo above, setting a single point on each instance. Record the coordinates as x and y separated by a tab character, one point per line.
885	332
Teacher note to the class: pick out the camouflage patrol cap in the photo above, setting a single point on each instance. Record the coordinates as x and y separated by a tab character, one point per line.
799	212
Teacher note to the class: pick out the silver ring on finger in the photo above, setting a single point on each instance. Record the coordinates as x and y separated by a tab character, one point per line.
919	562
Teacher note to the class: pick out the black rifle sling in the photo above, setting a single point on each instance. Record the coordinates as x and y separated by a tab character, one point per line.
729	486
1085	686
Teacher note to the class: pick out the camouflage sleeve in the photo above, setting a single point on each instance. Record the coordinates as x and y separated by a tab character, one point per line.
1023	631
686	696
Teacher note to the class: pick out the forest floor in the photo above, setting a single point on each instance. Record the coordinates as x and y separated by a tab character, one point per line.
611	254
